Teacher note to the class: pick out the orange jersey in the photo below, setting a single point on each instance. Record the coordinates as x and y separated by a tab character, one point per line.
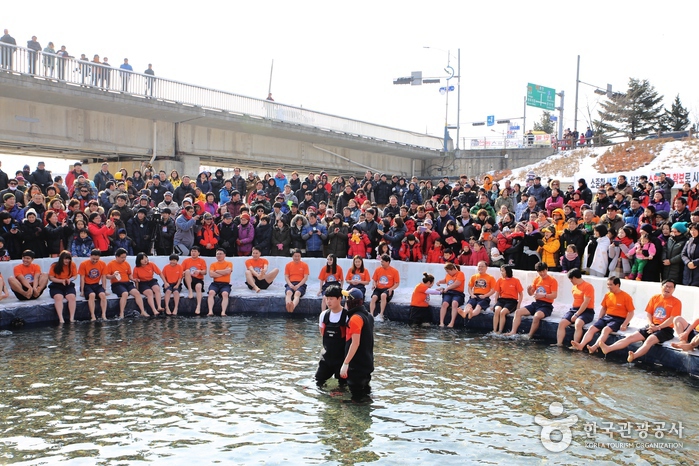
357	275
386	278
216	266
420	297
27	272
173	274
481	283
458	276
194	265
356	323
91	273
124	270
548	285
662	309
256	264
582	291
296	271
327	277
508	288
68	272
146	272
618	304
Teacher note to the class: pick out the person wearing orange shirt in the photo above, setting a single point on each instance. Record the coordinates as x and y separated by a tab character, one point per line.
329	275
296	275
220	271
194	273
661	309
357	275
144	275
481	286
93	283
453	292
62	274
257	277
616	313
29	282
386	280
509	292
545	290
420	313
583	310
172	282
119	272
358	364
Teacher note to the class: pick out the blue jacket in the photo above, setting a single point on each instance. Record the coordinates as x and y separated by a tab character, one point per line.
314	242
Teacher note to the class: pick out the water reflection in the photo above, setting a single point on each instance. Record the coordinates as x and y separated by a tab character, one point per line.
240	390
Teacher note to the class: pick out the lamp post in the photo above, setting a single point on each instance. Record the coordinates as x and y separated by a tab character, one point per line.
450	74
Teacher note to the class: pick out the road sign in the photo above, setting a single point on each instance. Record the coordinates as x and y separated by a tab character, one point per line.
553	118
491	120
443	89
514	128
541	97
416	78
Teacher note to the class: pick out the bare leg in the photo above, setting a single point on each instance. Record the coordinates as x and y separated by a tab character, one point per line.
71	307
454	312
442	312
538	316
372	304
561	332
198	288
288	299
103	303
250	280
587	338
476	310
519	313
188	282
295	302
158	297
149	297
168	292
465	311
139	302
58	303
384	301
210	302
122	304
496	319
504	312
91	305
579	326
271	275
621	344
224	303
645	347
177	302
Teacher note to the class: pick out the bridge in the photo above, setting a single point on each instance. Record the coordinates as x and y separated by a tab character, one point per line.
68	108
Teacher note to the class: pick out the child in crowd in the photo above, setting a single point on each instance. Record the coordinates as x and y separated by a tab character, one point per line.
124	242
420	313
82	244
358	243
173	273
570	260
435	255
4	255
644	251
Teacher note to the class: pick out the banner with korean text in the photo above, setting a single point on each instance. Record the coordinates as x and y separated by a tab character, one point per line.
595	180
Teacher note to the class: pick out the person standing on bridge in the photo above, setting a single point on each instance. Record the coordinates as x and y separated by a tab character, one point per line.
102	177
150	81
32	54
125	74
7	50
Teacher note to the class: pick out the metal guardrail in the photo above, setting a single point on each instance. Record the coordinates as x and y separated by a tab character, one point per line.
21	60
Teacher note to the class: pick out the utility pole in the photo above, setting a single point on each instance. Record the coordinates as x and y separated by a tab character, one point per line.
577	84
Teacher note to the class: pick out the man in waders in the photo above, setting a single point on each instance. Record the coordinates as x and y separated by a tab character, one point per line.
359	359
333	328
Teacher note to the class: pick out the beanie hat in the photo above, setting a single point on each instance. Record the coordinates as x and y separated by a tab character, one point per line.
680	227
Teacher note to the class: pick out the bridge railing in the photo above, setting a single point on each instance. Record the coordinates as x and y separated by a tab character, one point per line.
88	74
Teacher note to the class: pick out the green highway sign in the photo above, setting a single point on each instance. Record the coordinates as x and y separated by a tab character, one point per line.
541	97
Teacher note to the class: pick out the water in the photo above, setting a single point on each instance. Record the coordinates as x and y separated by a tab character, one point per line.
240	391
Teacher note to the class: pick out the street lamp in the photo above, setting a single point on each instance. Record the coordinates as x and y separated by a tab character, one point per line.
598	90
450	74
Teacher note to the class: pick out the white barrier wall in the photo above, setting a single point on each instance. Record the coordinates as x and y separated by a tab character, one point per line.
411	274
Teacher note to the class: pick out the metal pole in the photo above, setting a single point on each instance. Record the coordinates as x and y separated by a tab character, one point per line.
458	98
560	116
446	115
577	84
524	123
271	69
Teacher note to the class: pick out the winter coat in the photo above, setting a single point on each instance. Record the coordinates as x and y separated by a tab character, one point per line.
314	241
208	238
600	261
81	247
13	241
246	236
184	230
263	238
125	244
228	233
412	195
54	236
410	253
394	236
673	252
337	240
361	248
33	237
690	253
281	236
549	251
140	234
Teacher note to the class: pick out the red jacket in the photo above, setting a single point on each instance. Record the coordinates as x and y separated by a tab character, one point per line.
358	249
100	235
435	256
410	253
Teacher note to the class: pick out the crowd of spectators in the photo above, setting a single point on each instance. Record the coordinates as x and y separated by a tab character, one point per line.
640	232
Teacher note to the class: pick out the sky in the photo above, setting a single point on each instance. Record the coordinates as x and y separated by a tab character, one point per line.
342	57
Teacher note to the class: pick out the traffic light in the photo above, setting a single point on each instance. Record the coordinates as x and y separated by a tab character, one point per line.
430	81
502	122
478	123
403	81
